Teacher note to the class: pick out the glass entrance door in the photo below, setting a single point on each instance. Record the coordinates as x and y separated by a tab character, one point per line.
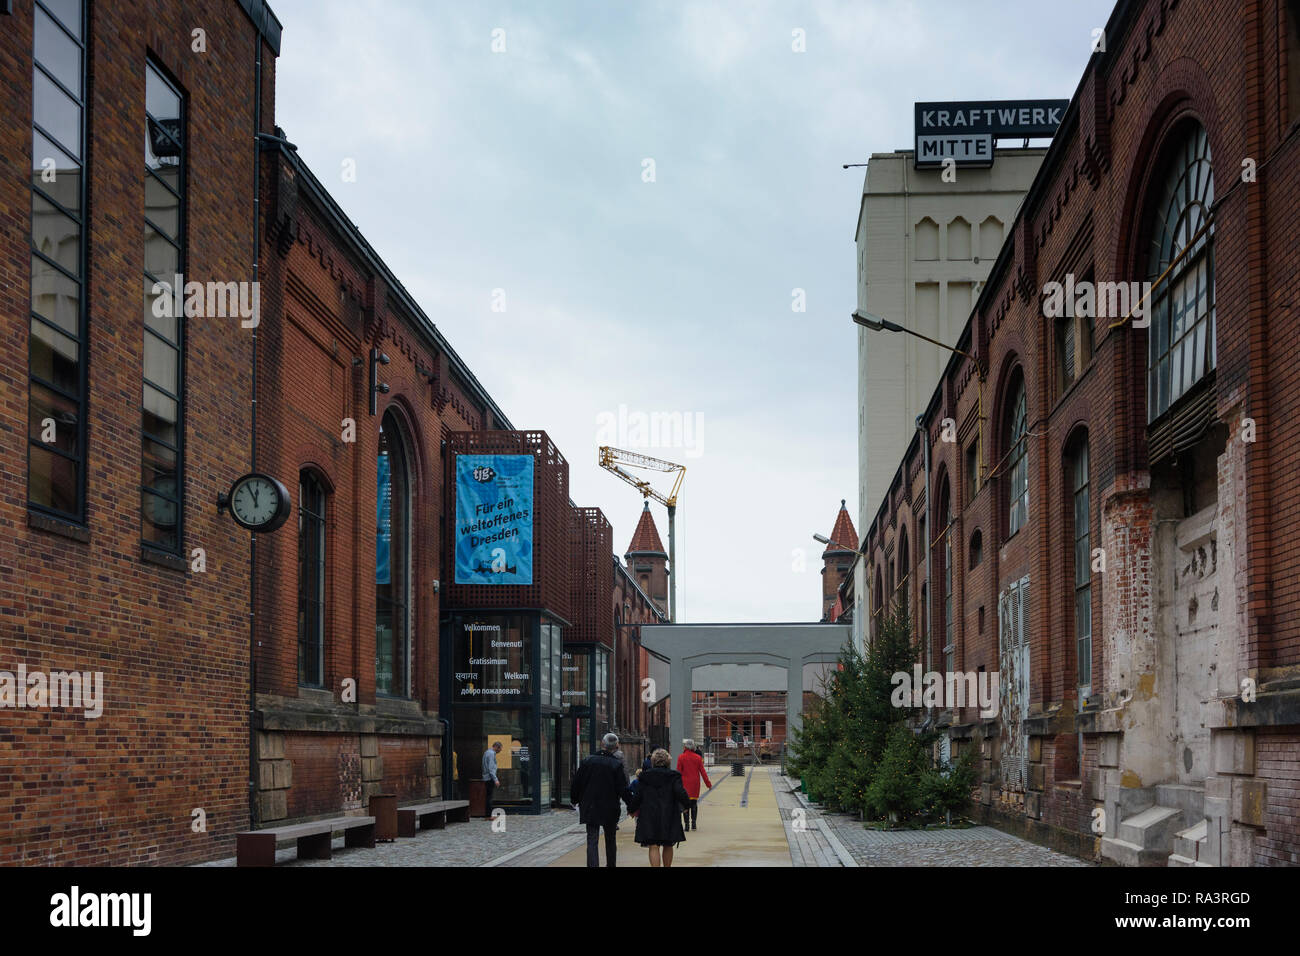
566	758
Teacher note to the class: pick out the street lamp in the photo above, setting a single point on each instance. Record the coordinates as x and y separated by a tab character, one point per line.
876	324
822	539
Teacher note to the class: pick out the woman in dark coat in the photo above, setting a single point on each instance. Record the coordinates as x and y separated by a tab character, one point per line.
658	802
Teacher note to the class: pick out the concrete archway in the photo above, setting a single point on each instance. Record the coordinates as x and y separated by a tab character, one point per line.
688	647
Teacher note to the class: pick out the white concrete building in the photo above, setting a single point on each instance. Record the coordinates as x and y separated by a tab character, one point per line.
925	247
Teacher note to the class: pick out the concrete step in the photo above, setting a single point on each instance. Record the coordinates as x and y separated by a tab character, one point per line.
1153	828
1127	853
1190	798
1190	843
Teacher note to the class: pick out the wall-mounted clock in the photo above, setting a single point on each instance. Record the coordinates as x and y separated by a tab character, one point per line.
257	502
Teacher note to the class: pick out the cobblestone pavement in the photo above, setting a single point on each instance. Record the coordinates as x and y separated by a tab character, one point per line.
974	846
461	844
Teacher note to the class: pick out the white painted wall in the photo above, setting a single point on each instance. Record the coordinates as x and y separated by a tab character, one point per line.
925	280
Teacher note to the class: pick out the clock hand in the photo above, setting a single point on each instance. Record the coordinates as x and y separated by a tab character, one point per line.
254	492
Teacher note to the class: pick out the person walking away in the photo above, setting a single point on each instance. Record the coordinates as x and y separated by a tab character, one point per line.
658	802
598	786
691	766
490	774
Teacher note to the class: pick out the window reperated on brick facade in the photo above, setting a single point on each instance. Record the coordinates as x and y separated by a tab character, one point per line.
392	563
976	548
904	567
1082	567
56	475
972	471
311	580
949	619
1018	461
161	426
1181	341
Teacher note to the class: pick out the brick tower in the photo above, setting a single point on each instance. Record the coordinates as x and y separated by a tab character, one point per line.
837	558
648	561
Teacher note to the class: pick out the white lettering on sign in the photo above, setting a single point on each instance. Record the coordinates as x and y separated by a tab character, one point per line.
968	148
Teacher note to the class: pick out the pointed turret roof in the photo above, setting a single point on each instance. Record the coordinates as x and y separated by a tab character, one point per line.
645	540
843	536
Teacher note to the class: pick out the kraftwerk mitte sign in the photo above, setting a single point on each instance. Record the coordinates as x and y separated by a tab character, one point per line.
966	132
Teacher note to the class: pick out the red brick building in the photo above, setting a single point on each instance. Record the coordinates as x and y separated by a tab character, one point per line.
124	142
129	593
1112	509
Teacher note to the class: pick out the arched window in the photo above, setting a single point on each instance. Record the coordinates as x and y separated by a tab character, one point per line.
1181	347
1017	460
976	548
393	563
949	615
959	239
878	598
927	240
311	580
904	568
1082	565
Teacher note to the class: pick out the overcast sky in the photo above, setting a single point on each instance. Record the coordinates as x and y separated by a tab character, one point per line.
525	171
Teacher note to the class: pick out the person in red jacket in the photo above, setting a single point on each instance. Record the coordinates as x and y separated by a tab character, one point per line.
691	766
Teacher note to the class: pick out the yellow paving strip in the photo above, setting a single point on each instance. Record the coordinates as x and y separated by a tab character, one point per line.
728	834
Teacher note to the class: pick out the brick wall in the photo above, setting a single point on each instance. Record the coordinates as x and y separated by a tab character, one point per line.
172	643
1086	212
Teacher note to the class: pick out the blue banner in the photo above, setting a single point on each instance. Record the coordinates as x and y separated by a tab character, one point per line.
494	519
383	520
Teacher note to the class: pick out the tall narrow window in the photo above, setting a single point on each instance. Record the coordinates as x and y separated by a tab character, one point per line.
56	472
311	581
949	624
1181	344
1018	462
904	569
392	564
1082	569
162	429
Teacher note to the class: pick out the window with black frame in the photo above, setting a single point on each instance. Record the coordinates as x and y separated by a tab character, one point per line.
161	426
392	562
56	473
1082	568
1181	341
1018	461
311	580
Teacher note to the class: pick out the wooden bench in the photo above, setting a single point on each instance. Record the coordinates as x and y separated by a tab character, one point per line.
434	815
257	847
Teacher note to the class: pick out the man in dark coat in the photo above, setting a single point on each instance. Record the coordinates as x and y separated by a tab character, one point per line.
598	786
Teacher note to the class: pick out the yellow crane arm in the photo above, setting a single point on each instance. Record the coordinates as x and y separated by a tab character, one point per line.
612	458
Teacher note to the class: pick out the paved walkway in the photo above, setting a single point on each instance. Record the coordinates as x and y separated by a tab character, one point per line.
738	826
757	820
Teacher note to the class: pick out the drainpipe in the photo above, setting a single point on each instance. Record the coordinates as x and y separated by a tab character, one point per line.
929	591
252	543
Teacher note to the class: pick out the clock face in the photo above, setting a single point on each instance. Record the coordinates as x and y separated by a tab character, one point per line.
259	502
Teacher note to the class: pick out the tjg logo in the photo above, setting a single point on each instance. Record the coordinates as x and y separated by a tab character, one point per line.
955	689
1101	300
212	300
484	474
667	430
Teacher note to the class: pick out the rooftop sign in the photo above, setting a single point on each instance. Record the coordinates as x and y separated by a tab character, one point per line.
966	132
